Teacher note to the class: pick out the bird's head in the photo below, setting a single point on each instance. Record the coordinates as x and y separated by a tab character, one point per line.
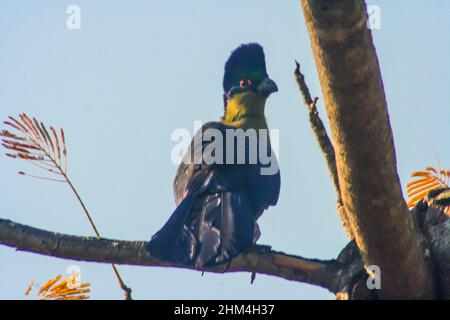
246	83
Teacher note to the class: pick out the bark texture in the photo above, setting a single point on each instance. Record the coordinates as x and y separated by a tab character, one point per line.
260	259
435	224
365	156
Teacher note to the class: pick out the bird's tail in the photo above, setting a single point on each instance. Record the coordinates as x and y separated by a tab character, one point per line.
175	242
205	230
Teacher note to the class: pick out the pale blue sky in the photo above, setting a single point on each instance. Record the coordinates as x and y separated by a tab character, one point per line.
135	72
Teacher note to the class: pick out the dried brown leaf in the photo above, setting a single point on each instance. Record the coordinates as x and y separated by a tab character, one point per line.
58	148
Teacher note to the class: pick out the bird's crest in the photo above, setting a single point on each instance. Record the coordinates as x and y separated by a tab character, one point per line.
247	61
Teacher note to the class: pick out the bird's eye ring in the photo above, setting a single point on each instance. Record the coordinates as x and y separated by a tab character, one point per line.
244	83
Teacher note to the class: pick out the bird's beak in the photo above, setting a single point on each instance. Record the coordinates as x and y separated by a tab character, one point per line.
267	86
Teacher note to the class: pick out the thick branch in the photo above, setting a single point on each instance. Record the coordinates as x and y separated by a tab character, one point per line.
259	259
365	156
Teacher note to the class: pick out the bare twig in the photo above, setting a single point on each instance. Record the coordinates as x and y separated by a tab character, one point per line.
127	290
324	142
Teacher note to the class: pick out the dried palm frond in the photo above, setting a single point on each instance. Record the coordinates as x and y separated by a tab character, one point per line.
47	150
44	148
28	290
65	289
425	182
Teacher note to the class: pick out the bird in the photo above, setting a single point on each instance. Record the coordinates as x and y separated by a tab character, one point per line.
219	202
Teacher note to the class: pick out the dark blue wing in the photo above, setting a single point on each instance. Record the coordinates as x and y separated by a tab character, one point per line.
218	205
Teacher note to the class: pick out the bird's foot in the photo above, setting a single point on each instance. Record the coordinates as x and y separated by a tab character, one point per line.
253	277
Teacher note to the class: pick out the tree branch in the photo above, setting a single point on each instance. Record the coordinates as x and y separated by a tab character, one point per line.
365	156
325	144
260	259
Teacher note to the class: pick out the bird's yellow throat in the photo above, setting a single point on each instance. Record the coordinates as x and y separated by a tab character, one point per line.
245	110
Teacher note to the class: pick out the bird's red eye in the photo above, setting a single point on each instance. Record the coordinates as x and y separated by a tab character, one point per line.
244	83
